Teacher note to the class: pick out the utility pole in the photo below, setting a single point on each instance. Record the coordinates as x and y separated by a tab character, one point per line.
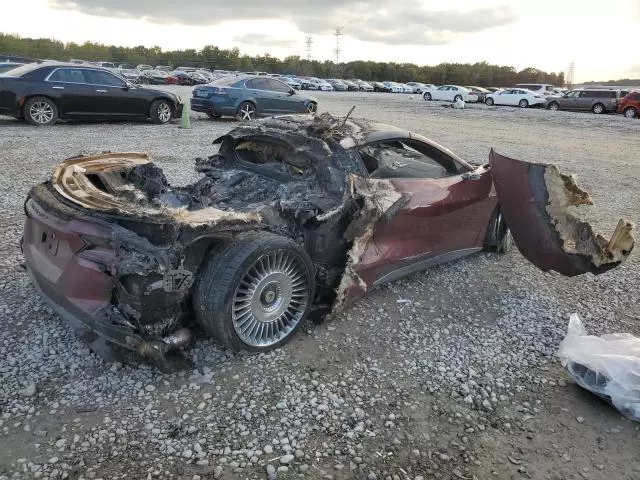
338	34
309	42
570	73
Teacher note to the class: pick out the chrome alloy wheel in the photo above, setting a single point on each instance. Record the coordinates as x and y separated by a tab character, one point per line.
247	112
271	299
164	112
41	112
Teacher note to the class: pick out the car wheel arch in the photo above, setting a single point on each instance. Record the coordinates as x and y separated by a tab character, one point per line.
161	97
26	98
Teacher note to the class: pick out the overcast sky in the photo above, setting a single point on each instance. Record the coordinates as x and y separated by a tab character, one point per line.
600	37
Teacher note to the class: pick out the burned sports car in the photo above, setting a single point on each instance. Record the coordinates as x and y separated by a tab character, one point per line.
293	216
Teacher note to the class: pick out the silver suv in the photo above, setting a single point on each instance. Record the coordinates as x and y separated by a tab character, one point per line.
596	100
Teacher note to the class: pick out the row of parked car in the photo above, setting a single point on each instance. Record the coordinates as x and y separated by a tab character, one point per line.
596	100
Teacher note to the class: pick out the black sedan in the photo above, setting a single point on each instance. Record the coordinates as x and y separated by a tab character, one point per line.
42	93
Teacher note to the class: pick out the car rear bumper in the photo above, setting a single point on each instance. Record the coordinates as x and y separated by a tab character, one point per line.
205	105
73	264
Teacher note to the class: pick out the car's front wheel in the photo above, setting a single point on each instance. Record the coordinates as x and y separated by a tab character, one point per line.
498	236
427	96
630	112
489	101
553	106
312	107
246	111
161	111
254	293
40	111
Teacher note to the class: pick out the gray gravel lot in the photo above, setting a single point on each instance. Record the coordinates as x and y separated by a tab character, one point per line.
447	374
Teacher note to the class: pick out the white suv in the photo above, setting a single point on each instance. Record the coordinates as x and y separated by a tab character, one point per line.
540	88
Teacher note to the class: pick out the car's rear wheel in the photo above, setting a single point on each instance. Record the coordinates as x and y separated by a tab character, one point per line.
161	111
246	111
255	293
427	96
40	111
553	106
489	101
598	108
312	107
457	98
523	103
630	112
498	237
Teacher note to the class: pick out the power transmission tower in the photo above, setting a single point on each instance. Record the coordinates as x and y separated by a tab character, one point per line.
338	34
570	73
309	41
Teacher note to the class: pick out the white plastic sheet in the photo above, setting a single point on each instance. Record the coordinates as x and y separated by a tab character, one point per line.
608	366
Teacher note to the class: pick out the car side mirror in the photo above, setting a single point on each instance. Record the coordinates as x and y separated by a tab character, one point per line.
292	92
471	176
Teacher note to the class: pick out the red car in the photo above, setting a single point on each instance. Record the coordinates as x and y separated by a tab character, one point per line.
629	105
291	217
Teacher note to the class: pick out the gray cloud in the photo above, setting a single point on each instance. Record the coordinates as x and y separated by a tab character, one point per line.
368	20
265	40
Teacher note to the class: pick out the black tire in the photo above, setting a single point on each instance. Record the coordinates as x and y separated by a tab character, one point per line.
427	96
553	106
523	103
630	112
161	111
598	108
40	111
246	111
489	101
223	273
457	97
312	108
498	237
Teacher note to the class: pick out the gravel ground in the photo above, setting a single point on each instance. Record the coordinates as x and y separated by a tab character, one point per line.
447	374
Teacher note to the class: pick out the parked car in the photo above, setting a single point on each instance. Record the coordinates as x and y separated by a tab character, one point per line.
417	87
163	68
380	87
394	87
178	77
198	78
43	93
539	88
292	82
481	92
130	75
629	105
595	100
338	85
450	93
277	226
247	97
515	97
406	88
364	86
6	66
153	77
143	67
351	86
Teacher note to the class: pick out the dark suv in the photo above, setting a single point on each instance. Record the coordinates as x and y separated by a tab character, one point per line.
596	100
630	105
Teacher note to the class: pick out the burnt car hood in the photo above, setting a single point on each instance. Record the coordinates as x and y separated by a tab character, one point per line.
535	200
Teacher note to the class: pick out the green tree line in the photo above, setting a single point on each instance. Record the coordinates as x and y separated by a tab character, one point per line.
480	73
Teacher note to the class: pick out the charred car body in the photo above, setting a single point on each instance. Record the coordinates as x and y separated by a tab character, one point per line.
294	215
